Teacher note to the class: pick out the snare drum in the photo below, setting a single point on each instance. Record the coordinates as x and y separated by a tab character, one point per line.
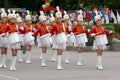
81	38
45	40
14	38
28	37
101	40
3	40
60	38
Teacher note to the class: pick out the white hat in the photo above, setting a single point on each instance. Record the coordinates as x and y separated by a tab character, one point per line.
3	14
58	14
80	16
28	17
52	18
42	16
19	19
97	17
9	14
66	16
13	15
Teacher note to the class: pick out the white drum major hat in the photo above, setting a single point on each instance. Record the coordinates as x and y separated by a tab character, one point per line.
97	17
80	15
13	15
19	19
52	18
58	14
42	16
28	16
3	14
66	16
9	14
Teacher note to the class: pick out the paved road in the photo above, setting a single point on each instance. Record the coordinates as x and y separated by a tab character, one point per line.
34	71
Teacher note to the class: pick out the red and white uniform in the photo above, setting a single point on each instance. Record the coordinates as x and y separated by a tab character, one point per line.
57	29
79	29
29	28
3	27
12	28
99	30
41	30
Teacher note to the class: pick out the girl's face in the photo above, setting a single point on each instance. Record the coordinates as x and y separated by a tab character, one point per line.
44	22
29	21
79	22
13	20
67	20
20	23
98	22
58	19
4	19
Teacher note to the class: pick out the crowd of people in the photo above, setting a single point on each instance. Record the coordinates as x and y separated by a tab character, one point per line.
60	36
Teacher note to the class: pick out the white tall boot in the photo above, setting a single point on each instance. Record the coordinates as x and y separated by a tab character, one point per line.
28	61
1	63
59	59
20	56
11	65
99	63
53	58
14	62
40	54
43	59
4	61
67	57
79	63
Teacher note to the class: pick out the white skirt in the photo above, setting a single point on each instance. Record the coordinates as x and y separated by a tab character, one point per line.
59	46
79	45
40	43
15	46
95	46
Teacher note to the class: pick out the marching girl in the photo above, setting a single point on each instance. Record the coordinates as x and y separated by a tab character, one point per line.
3	46
68	29
12	30
59	30
78	30
98	30
42	30
20	25
52	22
29	29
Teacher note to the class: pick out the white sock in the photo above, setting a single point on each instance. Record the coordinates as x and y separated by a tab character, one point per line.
67	55
4	59
28	54
20	54
54	54
59	60
79	57
43	58
14	60
99	60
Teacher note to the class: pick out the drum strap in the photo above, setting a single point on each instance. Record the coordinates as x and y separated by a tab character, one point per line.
47	29
63	27
31	27
17	28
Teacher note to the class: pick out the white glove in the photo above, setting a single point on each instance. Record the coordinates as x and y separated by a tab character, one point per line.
3	34
71	33
34	29
88	30
110	31
22	28
92	35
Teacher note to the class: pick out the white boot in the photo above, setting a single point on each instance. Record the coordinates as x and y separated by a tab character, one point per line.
11	65
59	67
20	56
43	59
28	61
40	55
99	63
67	57
4	61
14	62
1	64
79	63
53	58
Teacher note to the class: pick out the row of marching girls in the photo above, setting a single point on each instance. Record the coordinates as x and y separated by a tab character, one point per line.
11	36
62	36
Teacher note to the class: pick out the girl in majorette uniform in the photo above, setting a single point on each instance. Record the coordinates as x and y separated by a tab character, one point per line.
54	53
98	30
59	30
29	29
20	25
3	46
78	30
68	29
11	30
42	30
